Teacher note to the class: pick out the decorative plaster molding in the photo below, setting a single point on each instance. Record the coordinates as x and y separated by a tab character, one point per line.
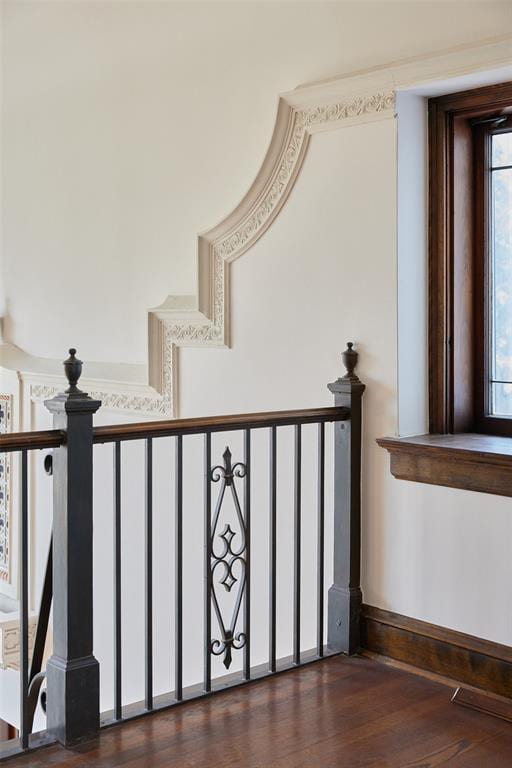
204	320
140	398
208	322
355	98
5	491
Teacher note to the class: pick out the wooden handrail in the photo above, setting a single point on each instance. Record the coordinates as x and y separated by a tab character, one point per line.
194	426
54	438
29	441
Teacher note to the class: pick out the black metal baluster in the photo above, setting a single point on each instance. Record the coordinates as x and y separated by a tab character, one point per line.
43	617
297	544
178	627
149	574
321	537
272	549
117	583
247	519
23	558
36	677
207	562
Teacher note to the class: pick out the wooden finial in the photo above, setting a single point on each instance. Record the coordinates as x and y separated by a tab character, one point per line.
73	371
350	357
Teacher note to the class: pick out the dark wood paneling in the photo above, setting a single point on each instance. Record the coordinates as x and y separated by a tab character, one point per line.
472	462
464	658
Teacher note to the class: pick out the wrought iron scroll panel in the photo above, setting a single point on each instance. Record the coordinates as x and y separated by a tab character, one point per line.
228	559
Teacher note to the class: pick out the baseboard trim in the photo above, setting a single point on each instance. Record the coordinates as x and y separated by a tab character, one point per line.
463	658
481	701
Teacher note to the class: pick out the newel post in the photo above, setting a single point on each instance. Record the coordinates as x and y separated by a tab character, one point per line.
345	597
72	670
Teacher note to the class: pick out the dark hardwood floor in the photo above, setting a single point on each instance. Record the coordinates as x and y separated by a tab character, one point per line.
337	713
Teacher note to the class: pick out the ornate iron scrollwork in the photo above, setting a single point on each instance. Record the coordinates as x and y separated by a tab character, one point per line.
228	558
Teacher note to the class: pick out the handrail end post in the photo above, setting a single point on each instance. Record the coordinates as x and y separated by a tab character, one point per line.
72	671
345	595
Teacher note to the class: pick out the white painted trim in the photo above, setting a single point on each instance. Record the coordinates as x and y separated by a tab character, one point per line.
207	324
114	395
204	320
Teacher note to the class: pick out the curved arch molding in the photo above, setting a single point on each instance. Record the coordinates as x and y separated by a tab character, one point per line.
204	320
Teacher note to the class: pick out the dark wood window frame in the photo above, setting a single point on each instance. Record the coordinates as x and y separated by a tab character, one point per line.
484	421
457	255
466	447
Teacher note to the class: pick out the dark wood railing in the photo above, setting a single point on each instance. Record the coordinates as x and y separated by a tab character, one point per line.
72	674
199	426
31	441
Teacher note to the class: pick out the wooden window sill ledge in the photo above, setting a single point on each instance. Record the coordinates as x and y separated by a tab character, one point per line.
469	461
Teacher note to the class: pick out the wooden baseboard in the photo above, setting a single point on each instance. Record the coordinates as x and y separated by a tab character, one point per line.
455	655
481	701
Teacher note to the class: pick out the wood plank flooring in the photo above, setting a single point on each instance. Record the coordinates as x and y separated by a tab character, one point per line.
338	713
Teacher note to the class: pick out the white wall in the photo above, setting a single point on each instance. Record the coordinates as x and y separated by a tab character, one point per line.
412	260
127	128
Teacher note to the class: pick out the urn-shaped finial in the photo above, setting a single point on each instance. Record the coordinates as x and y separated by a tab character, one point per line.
73	371
349	357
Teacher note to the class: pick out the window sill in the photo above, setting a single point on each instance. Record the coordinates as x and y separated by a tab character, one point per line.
469	461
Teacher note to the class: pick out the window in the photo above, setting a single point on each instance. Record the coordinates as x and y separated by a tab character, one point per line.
470	269
493	143
470	299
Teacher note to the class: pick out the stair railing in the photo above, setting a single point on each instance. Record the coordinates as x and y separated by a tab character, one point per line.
72	675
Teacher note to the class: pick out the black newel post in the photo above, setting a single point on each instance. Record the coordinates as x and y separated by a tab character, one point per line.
72	670
345	597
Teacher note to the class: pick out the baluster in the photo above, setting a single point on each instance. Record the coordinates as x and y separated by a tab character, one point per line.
345	597
149	576
207	562
36	677
43	618
23	566
273	548
247	520
297	528
321	539
178	627
117	584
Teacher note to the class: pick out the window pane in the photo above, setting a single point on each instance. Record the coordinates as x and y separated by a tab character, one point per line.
502	399
501	270
502	149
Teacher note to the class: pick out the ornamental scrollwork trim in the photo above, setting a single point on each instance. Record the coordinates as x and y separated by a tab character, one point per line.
206	322
266	198
5	491
158	405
